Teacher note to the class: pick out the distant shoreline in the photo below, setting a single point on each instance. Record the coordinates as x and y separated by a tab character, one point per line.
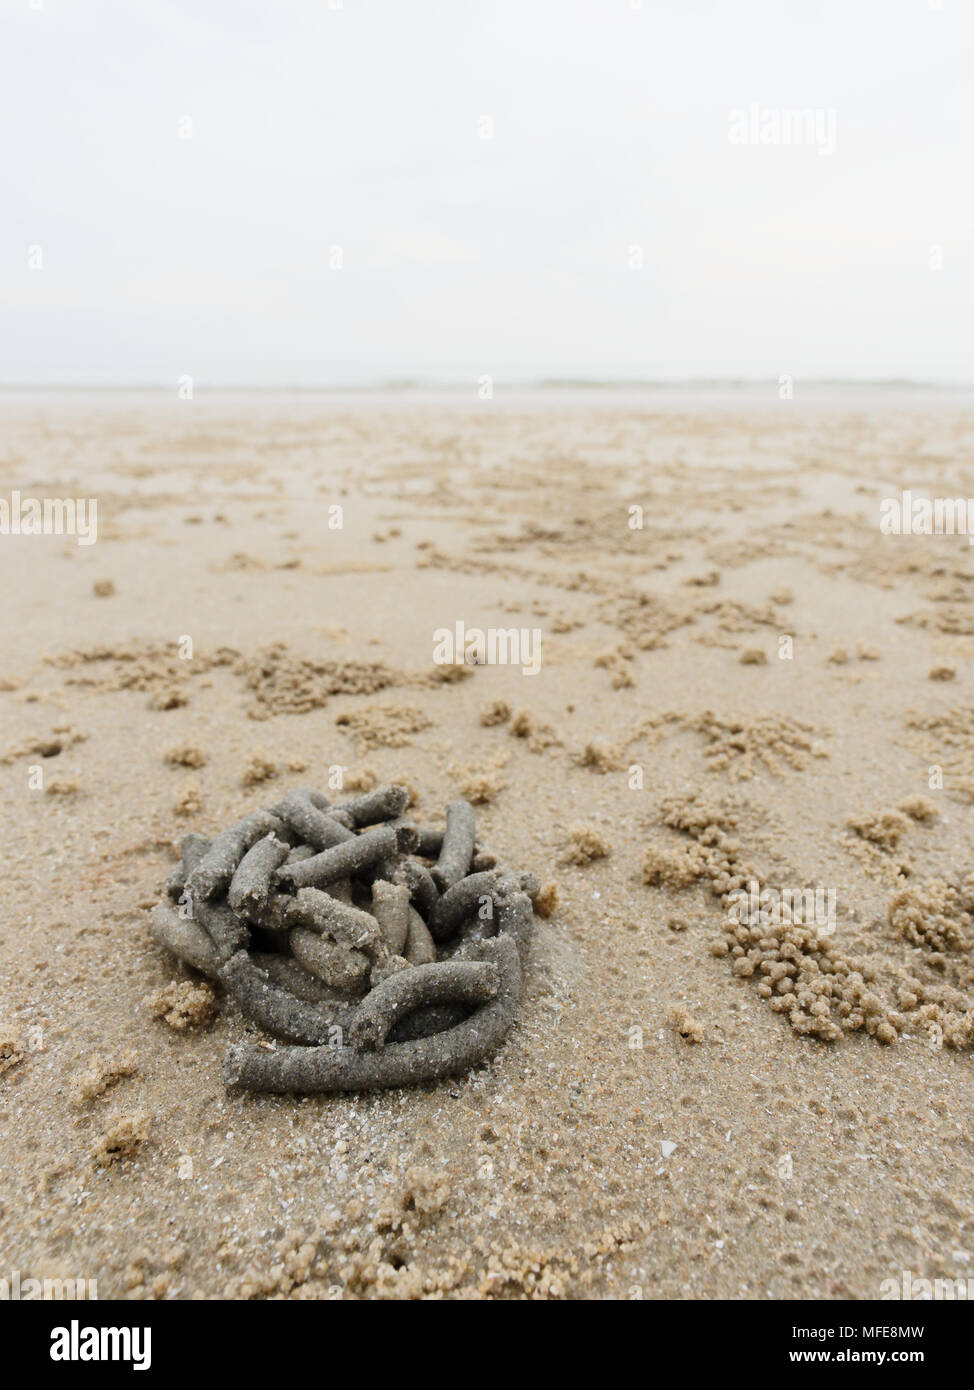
752	391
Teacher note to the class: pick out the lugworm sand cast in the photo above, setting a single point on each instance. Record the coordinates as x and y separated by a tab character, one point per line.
383	954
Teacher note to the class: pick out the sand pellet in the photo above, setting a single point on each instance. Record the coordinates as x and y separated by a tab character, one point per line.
530	884
443	982
407	837
191	850
213	873
316	827
386	871
279	1012
429	842
339	966
514	914
348	926
226	930
313	1070
460	901
423	892
390	906
273	915
251	885
300	852
292	976
457	849
385	803
308	793
472	929
342	861
184	937
385	968
420	948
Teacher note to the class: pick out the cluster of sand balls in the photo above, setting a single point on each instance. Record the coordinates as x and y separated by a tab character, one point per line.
799	972
806	976
384	953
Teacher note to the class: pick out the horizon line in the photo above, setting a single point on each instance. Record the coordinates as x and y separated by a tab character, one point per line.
456	385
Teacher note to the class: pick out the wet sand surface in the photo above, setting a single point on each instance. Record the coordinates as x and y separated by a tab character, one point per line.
753	682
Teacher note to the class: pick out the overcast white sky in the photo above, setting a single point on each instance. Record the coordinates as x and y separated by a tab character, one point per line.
361	127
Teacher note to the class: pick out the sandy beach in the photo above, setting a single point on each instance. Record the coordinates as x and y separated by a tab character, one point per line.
742	680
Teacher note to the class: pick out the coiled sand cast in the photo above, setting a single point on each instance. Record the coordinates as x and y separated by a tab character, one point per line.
382	953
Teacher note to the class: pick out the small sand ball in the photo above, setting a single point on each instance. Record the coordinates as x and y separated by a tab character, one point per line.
601	756
185	755
688	1027
919	808
546	902
122	1139
362	781
171	698
11	1052
383	725
753	656
63	786
522	724
183	1005
884	829
587	843
449	675
259	769
961	1033
481	785
100	1075
942	673
426	1190
189	802
676	868
103	588
496	712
